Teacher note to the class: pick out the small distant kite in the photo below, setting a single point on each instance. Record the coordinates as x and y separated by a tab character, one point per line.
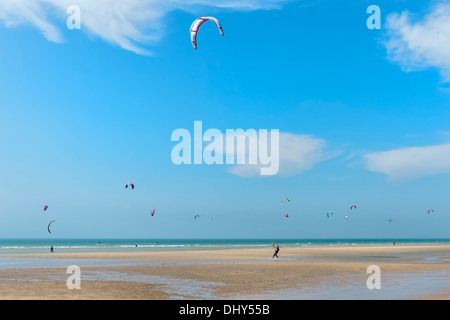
345	217
45	208
129	185
287	199
286	215
153	212
329	213
196	216
48	227
390	220
430	211
197	23
352	207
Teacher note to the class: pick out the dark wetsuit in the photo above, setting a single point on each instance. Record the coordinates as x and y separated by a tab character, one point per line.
277	248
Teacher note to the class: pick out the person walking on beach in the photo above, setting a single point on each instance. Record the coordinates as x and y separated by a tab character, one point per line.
277	248
51	250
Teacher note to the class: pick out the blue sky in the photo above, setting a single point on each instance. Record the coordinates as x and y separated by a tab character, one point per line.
83	112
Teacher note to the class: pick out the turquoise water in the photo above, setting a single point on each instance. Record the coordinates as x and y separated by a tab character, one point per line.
12	246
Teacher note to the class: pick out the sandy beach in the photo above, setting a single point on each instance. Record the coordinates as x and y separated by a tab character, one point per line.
407	272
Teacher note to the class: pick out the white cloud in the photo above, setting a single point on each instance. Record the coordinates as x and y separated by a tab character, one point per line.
127	23
410	163
297	154
421	44
17	12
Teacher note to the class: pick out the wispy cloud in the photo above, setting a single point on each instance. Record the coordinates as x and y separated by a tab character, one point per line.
131	24
410	163
35	13
297	154
425	43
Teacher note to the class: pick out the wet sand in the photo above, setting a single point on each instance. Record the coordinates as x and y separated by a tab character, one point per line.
407	272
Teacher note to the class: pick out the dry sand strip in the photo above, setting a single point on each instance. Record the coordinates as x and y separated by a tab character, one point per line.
261	253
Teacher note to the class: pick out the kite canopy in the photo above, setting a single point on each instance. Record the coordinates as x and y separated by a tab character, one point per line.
286	215
287	199
352	207
129	184
48	227
197	23
196	216
329	213
45	208
431	210
153	212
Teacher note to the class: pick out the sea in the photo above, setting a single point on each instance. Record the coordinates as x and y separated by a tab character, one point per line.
28	245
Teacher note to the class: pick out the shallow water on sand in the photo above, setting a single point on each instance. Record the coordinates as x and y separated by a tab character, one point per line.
393	286
399	287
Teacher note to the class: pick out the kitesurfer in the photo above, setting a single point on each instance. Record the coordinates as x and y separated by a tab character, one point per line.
277	248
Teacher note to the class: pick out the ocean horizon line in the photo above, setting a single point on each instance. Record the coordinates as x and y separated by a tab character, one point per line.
223	238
